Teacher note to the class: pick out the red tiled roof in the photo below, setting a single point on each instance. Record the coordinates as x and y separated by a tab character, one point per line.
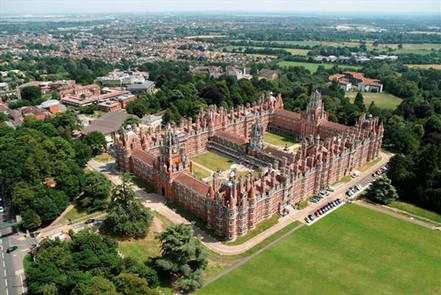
334	125
335	77
286	113
231	136
193	183
143	156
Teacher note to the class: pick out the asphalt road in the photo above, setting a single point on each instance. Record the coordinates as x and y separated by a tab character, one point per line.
11	265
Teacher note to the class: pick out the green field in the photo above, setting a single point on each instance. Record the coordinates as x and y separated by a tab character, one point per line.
212	161
381	99
426	67
312	67
293	51
352	251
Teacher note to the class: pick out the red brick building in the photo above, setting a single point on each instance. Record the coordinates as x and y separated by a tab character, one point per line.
328	152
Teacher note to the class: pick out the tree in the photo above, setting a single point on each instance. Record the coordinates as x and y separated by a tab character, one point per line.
138	107
96	141
132	121
359	102
182	255
126	216
129	283
96	192
382	191
31	94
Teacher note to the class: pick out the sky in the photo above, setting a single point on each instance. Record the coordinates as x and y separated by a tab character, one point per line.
286	6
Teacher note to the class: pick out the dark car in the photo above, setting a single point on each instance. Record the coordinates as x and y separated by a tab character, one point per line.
11	249
89	221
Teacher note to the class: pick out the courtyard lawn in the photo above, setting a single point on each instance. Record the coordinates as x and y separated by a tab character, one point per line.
381	99
212	161
200	172
278	140
354	250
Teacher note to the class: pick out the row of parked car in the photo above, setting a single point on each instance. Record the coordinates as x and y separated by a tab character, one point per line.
323	193
322	210
352	190
381	170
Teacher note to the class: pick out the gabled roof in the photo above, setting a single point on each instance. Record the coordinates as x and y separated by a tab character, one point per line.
143	156
193	183
231	137
107	123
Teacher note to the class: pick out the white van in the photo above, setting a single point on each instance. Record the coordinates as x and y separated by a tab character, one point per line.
355	174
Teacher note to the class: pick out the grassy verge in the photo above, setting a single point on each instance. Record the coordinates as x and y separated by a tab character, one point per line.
370	164
256	248
76	214
417	212
260	228
351	251
104	157
199	222
142	184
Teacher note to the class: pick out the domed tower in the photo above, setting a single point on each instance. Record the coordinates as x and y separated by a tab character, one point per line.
256	136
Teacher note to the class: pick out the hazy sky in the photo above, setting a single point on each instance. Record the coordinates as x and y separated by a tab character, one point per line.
142	6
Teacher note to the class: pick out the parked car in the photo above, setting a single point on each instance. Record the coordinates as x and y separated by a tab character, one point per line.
2	209
11	249
89	221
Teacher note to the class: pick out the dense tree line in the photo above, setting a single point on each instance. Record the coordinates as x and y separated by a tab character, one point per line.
89	264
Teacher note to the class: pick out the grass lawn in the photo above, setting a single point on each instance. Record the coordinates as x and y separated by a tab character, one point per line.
200	172
212	161
351	251
416	211
77	213
260	228
278	140
381	99
104	157
140	249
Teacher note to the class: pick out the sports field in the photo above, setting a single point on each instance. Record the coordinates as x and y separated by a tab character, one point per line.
381	99
352	251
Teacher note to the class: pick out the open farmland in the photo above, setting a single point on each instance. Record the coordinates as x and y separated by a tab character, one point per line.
382	100
312	67
351	251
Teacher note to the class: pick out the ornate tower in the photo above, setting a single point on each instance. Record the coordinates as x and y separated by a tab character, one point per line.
313	116
171	161
256	136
